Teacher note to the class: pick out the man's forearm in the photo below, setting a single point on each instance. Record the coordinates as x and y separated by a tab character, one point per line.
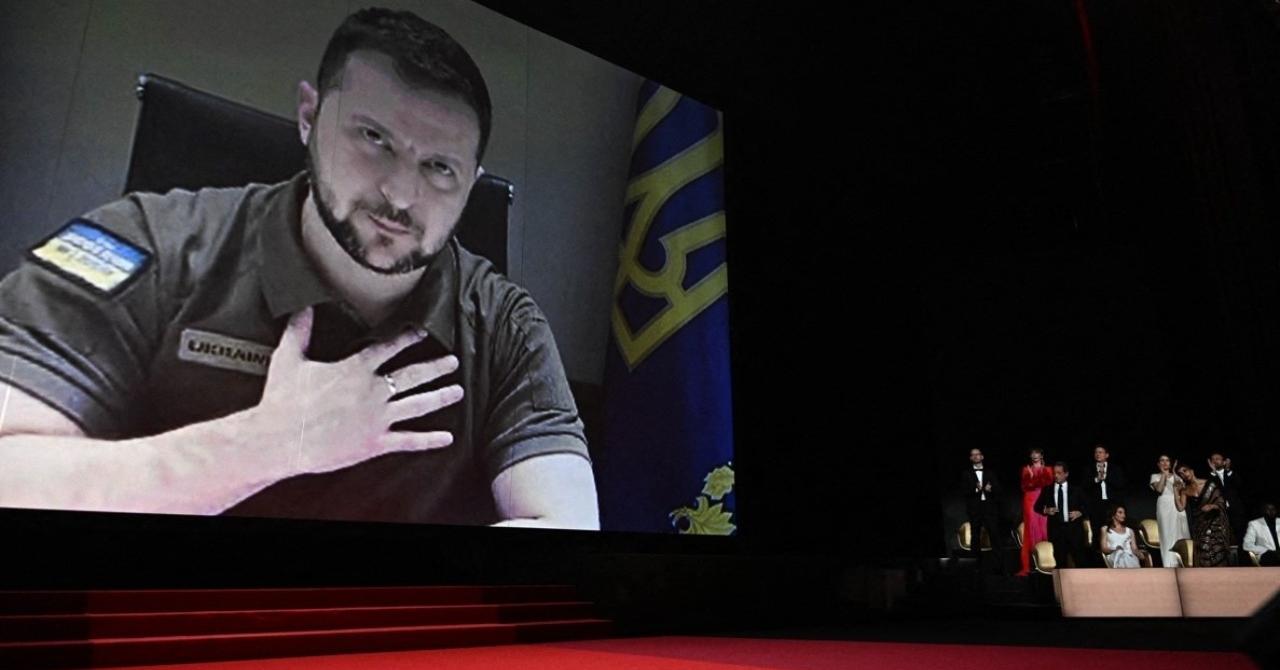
203	468
550	491
313	417
551	522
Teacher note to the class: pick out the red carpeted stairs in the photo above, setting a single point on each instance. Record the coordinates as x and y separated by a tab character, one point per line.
64	629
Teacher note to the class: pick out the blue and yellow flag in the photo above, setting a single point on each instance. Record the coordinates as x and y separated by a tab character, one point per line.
666	464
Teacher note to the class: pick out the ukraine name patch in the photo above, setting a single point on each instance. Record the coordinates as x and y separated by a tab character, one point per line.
87	253
222	351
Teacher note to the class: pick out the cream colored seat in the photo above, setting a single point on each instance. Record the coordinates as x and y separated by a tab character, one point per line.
1149	535
1042	558
1186	551
964	537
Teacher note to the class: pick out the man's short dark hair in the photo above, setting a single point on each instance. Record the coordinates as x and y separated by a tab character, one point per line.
1063	465
424	55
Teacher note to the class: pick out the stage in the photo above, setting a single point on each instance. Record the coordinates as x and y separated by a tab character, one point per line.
953	617
726	653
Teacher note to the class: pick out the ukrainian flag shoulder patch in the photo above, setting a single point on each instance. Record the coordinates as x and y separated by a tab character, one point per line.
91	255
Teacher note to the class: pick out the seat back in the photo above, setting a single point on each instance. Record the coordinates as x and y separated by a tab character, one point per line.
1186	552
964	537
1149	534
1042	558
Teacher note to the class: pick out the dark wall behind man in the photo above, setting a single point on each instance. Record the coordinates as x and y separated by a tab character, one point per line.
950	234
1138	306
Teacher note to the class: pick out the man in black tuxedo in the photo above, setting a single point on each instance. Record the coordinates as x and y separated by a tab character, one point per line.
982	496
1232	490
1106	489
1065	507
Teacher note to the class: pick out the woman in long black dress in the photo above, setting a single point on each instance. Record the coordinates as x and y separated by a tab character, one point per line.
1206	510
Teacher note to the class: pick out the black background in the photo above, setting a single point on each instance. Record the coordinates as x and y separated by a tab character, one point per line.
944	233
941	236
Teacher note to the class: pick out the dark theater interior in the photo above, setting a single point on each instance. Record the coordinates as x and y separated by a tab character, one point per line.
1003	319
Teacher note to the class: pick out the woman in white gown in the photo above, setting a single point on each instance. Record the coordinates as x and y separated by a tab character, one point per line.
1118	545
1173	523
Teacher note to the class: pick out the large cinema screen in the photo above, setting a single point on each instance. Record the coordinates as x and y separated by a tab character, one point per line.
417	264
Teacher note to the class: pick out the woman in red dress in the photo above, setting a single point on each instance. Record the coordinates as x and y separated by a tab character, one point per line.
1035	527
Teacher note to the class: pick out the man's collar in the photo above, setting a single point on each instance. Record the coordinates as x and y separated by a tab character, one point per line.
431	305
290	281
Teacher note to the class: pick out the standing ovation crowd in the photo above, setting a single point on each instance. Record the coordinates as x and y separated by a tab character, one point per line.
1086	520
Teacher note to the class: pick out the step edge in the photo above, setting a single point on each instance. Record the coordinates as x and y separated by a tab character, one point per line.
364	608
317	633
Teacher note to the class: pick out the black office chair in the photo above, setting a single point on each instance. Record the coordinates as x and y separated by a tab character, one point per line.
190	139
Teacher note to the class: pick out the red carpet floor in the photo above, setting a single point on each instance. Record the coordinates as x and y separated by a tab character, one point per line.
719	653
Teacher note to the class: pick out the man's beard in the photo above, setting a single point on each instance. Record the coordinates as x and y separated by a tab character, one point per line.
344	232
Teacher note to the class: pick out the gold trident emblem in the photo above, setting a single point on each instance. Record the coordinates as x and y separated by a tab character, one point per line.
649	191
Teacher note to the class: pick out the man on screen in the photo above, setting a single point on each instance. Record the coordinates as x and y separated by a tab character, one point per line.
320	348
